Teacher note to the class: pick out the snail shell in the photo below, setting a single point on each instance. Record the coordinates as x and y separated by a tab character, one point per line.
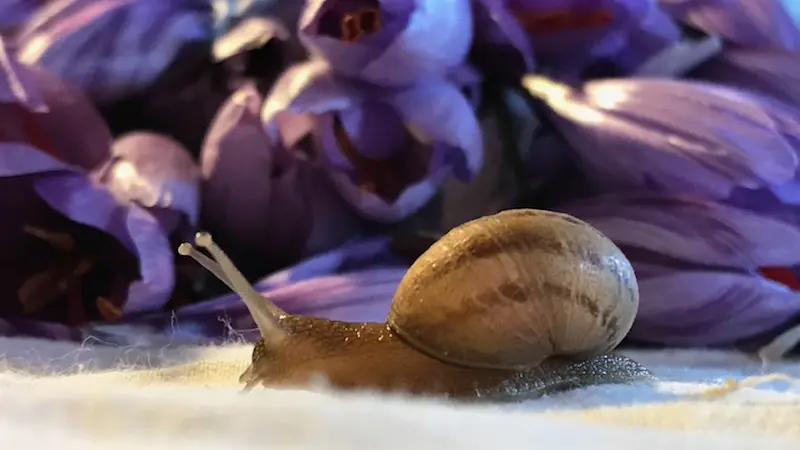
510	290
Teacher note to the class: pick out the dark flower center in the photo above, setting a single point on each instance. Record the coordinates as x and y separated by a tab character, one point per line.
386	178
539	24
351	22
86	276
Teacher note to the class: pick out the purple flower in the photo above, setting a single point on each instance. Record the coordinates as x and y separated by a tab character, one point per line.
681	137
72	252
266	202
387	151
764	24
569	36
697	263
388	42
113	48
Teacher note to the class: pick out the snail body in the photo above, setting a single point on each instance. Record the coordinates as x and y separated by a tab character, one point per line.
510	306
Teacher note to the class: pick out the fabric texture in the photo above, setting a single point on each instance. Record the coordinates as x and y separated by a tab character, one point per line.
86	396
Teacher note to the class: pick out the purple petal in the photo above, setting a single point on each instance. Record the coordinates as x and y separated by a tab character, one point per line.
70	110
496	32
111	48
14	14
306	88
432	115
685	137
765	24
470	81
710	308
442	114
249	34
40	110
260	199
572	34
767	72
695	231
158	174
17	327
414	39
88	203
16	83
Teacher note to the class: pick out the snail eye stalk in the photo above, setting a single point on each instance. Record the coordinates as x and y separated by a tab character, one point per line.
265	313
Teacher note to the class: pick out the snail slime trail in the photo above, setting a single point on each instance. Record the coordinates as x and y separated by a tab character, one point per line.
506	307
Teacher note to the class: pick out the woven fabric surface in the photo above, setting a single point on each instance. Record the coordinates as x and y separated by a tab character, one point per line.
80	396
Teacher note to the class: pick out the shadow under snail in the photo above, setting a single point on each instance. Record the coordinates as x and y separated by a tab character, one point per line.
506	307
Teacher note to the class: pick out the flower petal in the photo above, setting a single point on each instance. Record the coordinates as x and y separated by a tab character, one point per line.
710	308
14	13
441	113
306	88
88	203
767	72
229	14
570	37
440	118
68	110
261	198
112	48
750	23
21	159
419	39
695	231
44	112
156	173
495	28
16	82
249	34
685	137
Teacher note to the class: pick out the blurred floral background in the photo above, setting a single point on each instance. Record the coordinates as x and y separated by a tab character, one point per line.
326	143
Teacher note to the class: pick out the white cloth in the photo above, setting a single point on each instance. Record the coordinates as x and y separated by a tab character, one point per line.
63	396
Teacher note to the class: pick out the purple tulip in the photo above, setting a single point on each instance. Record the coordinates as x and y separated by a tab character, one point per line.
388	42
112	48
72	252
387	151
682	137
697	263
769	72
569	36
263	201
763	24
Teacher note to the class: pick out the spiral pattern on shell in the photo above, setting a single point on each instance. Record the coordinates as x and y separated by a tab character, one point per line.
510	290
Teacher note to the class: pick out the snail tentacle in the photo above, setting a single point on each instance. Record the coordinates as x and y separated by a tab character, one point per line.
187	249
265	313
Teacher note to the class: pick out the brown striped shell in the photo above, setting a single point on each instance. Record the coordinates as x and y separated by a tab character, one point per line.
512	289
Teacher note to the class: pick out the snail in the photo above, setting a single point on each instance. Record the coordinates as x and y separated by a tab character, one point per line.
506	307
